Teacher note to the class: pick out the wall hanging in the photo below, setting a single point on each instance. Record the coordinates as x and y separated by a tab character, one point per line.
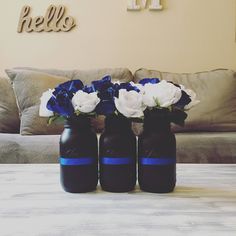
54	20
135	5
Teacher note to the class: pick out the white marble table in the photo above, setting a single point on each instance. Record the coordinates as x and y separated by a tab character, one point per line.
33	203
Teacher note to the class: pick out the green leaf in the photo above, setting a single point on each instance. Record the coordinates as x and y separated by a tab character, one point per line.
90	114
55	119
156	101
77	112
51	119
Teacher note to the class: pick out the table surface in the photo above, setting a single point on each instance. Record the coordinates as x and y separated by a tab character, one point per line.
33	203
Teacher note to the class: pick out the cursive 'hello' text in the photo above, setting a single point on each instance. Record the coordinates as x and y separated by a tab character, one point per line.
54	20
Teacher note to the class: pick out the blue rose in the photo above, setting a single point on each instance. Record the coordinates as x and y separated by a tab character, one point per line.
102	84
106	92
70	87
184	100
89	89
127	86
105	107
149	81
61	104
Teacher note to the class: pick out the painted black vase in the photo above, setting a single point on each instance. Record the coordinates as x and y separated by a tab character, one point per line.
157	154
117	155
78	156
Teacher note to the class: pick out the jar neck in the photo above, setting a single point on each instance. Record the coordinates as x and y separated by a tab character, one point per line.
117	124
157	121
78	122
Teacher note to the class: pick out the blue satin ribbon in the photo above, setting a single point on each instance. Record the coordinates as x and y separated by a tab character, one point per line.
82	161
150	161
116	160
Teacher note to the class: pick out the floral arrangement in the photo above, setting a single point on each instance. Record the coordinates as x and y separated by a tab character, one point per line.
104	97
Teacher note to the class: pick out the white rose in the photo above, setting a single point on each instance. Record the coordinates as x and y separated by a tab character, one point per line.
85	102
193	97
43	111
130	103
162	94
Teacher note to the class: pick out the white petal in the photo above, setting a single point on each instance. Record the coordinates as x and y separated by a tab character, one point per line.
43	111
85	102
129	103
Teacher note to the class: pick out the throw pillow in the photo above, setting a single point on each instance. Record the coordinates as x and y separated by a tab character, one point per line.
9	116
28	87
216	92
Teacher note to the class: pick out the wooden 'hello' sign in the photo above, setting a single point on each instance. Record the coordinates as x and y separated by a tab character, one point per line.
54	20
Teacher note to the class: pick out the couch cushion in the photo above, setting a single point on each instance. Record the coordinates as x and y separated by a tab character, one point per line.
145	73
206	147
9	115
87	76
213	147
29	149
122	74
28	87
216	91
64	73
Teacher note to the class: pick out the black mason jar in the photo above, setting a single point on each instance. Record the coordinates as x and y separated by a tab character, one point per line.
157	154
78	156
117	155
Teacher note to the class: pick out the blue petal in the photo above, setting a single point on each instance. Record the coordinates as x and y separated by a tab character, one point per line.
127	86
105	88
105	107
106	92
89	89
71	87
61	104
184	100
102	84
149	80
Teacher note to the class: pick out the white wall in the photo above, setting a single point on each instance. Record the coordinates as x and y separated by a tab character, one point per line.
187	36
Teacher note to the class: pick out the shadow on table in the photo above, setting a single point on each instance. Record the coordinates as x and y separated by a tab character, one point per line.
186	191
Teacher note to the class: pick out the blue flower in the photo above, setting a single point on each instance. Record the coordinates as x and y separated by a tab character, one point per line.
149	80
102	84
70	87
105	107
184	100
89	89
106	92
127	86
61	104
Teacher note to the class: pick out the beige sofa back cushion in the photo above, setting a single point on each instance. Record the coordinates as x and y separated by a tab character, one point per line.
9	116
28	87
122	74
215	89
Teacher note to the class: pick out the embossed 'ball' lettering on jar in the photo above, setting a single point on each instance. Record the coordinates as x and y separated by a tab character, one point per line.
157	154
117	155
78	156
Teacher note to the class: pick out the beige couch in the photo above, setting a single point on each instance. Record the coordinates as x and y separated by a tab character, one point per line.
209	135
